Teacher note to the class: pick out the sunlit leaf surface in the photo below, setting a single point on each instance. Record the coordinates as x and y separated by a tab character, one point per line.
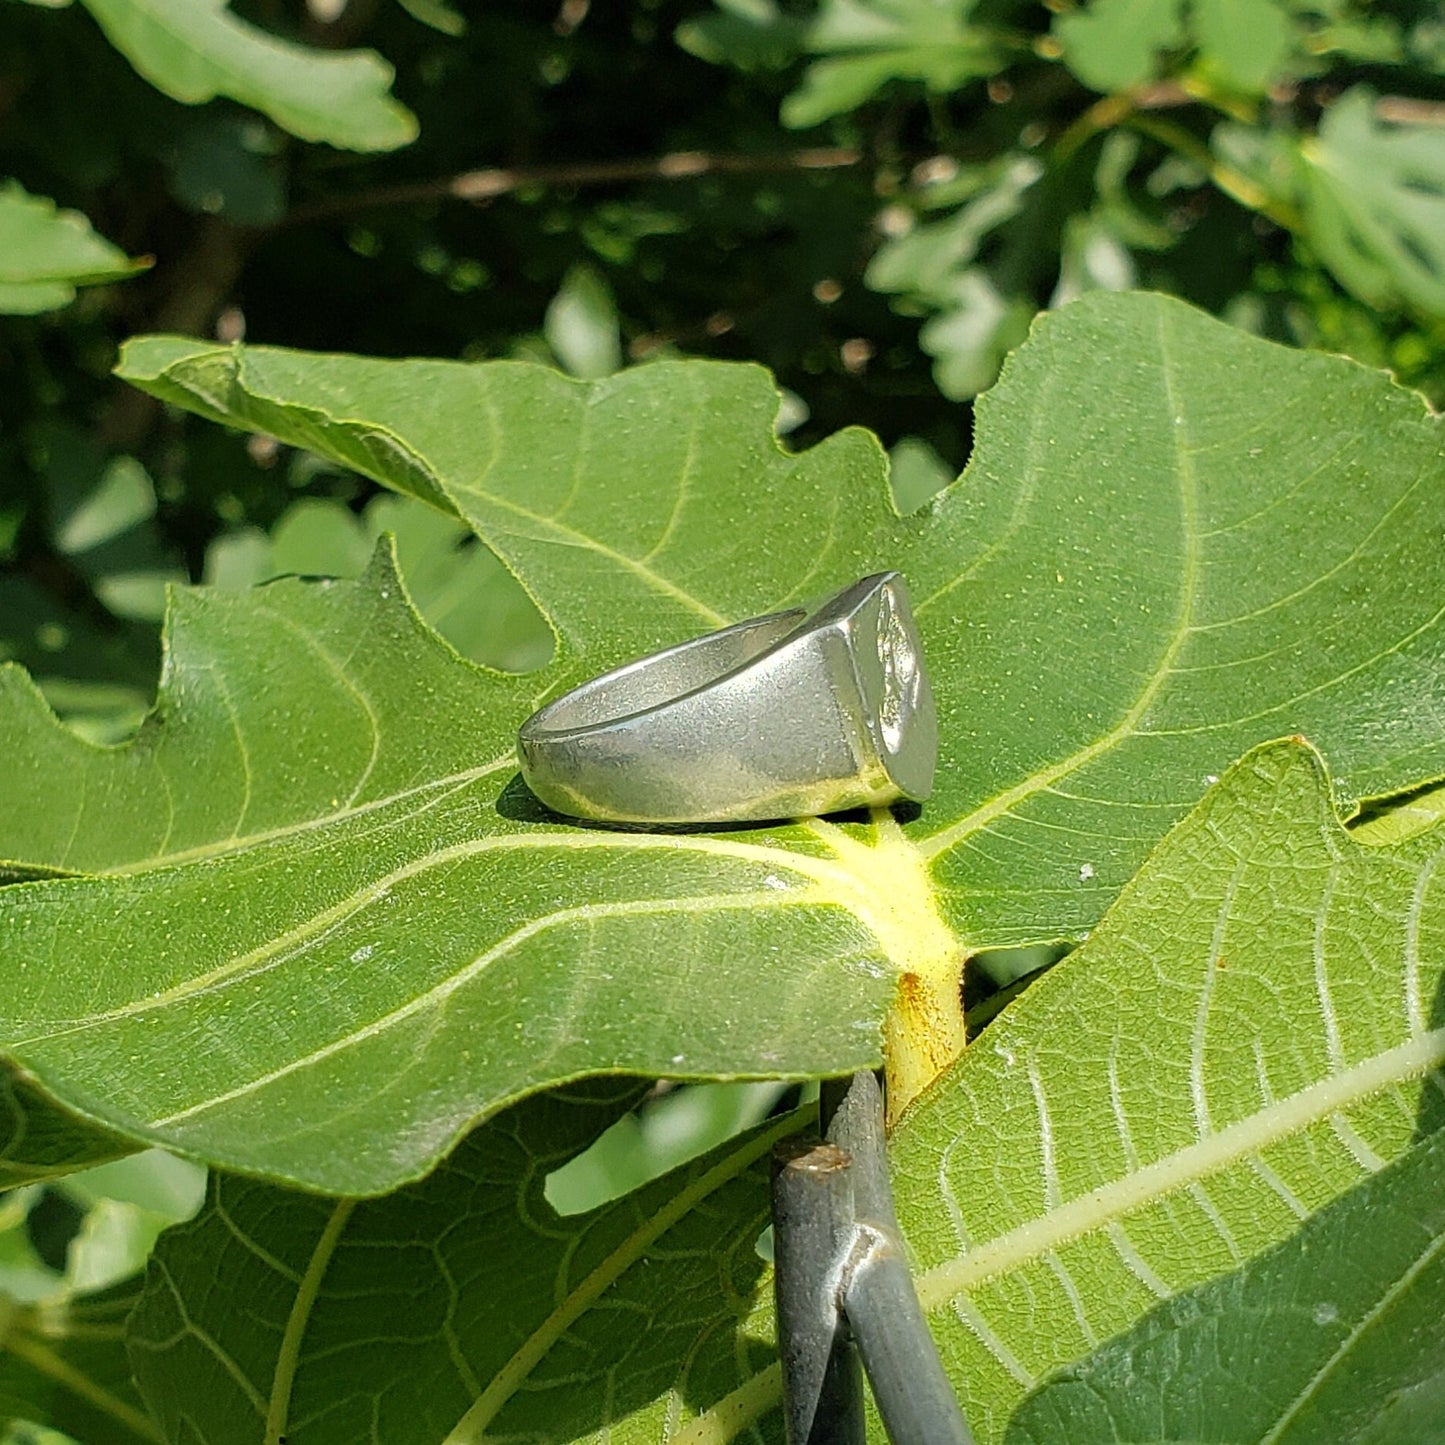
350	934
1255	1029
1149	1118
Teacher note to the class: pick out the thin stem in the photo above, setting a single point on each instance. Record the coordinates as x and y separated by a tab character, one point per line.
1103	115
812	1233
487	184
1232	182
912	1392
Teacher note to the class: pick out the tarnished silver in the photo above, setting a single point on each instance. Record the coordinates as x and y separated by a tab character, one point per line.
785	716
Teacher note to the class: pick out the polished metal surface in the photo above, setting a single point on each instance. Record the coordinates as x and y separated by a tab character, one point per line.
789	715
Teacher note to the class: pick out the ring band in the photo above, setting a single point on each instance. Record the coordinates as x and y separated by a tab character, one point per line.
789	715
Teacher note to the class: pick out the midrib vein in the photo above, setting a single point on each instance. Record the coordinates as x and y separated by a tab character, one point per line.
835	885
471	1428
1006	801
867	882
1191	1165
435	996
723	1421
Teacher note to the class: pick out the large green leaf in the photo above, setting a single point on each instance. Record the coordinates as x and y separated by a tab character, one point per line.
1113	611
335	876
225	765
1153	1114
463	1307
46	253
195	50
426	947
1255	1028
1336	1335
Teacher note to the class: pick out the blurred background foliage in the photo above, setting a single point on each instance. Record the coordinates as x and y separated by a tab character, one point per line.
871	197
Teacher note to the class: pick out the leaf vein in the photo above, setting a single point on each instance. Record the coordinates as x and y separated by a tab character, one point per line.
987	813
1223	1148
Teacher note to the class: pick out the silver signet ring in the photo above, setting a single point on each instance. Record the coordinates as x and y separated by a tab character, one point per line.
786	716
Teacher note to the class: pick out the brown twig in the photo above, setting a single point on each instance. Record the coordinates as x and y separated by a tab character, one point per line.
487	184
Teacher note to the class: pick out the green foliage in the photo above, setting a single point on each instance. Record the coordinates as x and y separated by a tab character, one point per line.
506	1318
294	914
45	254
1249	1033
1115	44
69	1257
1316	1339
865	46
381	859
1005	217
48	1347
195	50
1374	192
1021	559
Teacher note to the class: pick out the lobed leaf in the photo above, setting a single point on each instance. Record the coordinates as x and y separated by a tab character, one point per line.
1256	1027
195	50
350	934
223	764
1245	550
1374	199
1128	606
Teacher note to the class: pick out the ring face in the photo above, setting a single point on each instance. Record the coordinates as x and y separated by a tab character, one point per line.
784	716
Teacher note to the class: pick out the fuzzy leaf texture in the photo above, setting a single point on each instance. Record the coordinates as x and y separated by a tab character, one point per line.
1317	1340
1255	1030
349	933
